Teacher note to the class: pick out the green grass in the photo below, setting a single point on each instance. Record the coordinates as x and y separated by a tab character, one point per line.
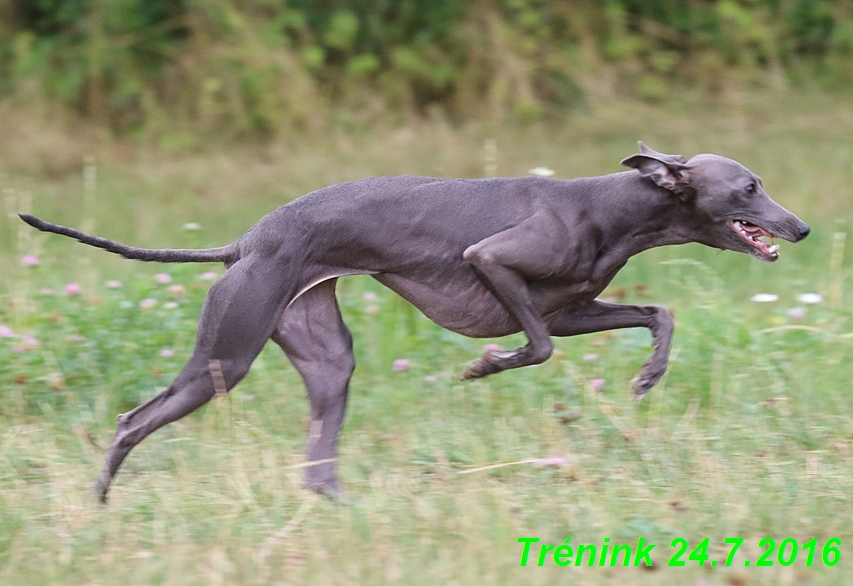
750	434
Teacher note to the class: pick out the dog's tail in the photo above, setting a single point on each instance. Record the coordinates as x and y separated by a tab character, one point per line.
226	254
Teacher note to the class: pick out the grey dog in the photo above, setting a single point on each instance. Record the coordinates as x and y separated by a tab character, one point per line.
482	257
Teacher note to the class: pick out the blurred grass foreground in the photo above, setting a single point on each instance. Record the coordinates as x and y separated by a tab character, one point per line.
180	123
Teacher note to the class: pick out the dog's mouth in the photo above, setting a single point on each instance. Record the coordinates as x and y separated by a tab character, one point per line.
750	233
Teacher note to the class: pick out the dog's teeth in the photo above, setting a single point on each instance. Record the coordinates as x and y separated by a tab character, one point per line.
773	248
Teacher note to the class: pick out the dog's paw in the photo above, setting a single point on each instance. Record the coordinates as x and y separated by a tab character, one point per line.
483	366
641	386
648	377
320	477
100	491
472	371
639	396
329	489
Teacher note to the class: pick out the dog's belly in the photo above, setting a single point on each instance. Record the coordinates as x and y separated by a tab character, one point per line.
456	299
462	305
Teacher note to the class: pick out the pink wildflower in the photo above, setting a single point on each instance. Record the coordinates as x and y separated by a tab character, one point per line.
551	461
401	365
72	289
27	343
798	312
147	304
30	260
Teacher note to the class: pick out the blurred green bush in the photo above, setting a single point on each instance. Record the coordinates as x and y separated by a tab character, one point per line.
263	67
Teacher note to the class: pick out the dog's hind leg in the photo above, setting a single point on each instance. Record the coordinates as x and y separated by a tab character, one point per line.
239	315
315	339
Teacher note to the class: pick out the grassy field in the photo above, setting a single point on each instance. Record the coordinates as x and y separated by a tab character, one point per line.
750	435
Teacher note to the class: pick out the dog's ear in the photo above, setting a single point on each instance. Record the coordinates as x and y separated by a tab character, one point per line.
668	171
653	153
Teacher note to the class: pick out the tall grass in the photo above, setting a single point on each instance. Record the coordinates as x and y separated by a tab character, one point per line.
749	435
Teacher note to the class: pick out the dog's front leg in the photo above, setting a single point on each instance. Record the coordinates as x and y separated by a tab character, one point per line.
597	316
504	262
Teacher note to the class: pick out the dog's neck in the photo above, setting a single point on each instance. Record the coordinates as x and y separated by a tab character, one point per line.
640	215
633	215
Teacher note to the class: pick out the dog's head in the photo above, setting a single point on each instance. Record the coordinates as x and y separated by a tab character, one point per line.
728	201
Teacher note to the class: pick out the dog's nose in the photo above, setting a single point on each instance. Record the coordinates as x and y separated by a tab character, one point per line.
804	230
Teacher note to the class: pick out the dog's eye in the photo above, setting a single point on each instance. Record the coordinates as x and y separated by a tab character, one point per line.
750	188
